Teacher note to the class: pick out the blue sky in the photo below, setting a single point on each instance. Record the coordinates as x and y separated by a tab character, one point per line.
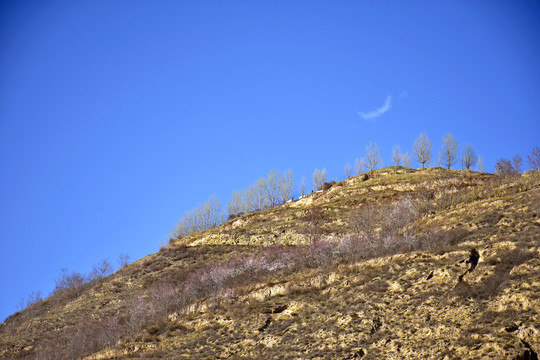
118	116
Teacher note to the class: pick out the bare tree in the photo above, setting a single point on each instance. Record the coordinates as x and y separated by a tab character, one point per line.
261	201
190	224
21	304
178	231
101	270
66	281
534	159
449	151
249	199
469	157
347	169
373	156
278	188
406	160
216	214
234	205
359	166
209	214
439	162
286	186
481	164
504	168
319	177
422	149
34	297
516	161
205	217
273	188
264	193
396	156
303	186
187	225
123	260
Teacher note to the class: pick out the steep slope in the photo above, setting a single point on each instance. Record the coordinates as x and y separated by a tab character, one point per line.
460	279
287	224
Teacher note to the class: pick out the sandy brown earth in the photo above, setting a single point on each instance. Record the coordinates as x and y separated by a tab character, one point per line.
407	304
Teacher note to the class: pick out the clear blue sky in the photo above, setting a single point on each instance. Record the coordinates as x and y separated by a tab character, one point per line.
118	116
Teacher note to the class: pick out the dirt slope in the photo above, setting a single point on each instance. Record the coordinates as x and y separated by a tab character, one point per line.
465	286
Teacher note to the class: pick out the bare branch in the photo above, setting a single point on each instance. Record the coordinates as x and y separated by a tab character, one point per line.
319	177
469	157
347	169
359	166
449	151
373	156
396	156
534	159
422	150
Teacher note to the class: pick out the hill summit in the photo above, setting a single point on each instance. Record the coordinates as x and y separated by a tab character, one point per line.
401	264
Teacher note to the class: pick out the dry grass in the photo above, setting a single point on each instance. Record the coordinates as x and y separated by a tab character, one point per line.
403	302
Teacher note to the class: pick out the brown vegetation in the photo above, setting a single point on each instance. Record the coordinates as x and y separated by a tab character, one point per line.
429	264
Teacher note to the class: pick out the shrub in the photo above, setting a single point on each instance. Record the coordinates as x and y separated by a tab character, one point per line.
87	336
69	281
504	168
364	221
397	218
351	247
391	244
379	231
162	300
136	315
315	219
319	253
424	203
123	260
234	216
327	185
101	270
91	336
34	297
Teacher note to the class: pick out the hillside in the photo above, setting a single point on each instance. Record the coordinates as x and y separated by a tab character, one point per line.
415	264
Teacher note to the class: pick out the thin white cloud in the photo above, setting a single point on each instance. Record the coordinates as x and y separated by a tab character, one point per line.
372	115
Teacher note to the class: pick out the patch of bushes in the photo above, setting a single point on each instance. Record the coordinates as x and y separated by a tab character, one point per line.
327	185
376	232
86	337
315	218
